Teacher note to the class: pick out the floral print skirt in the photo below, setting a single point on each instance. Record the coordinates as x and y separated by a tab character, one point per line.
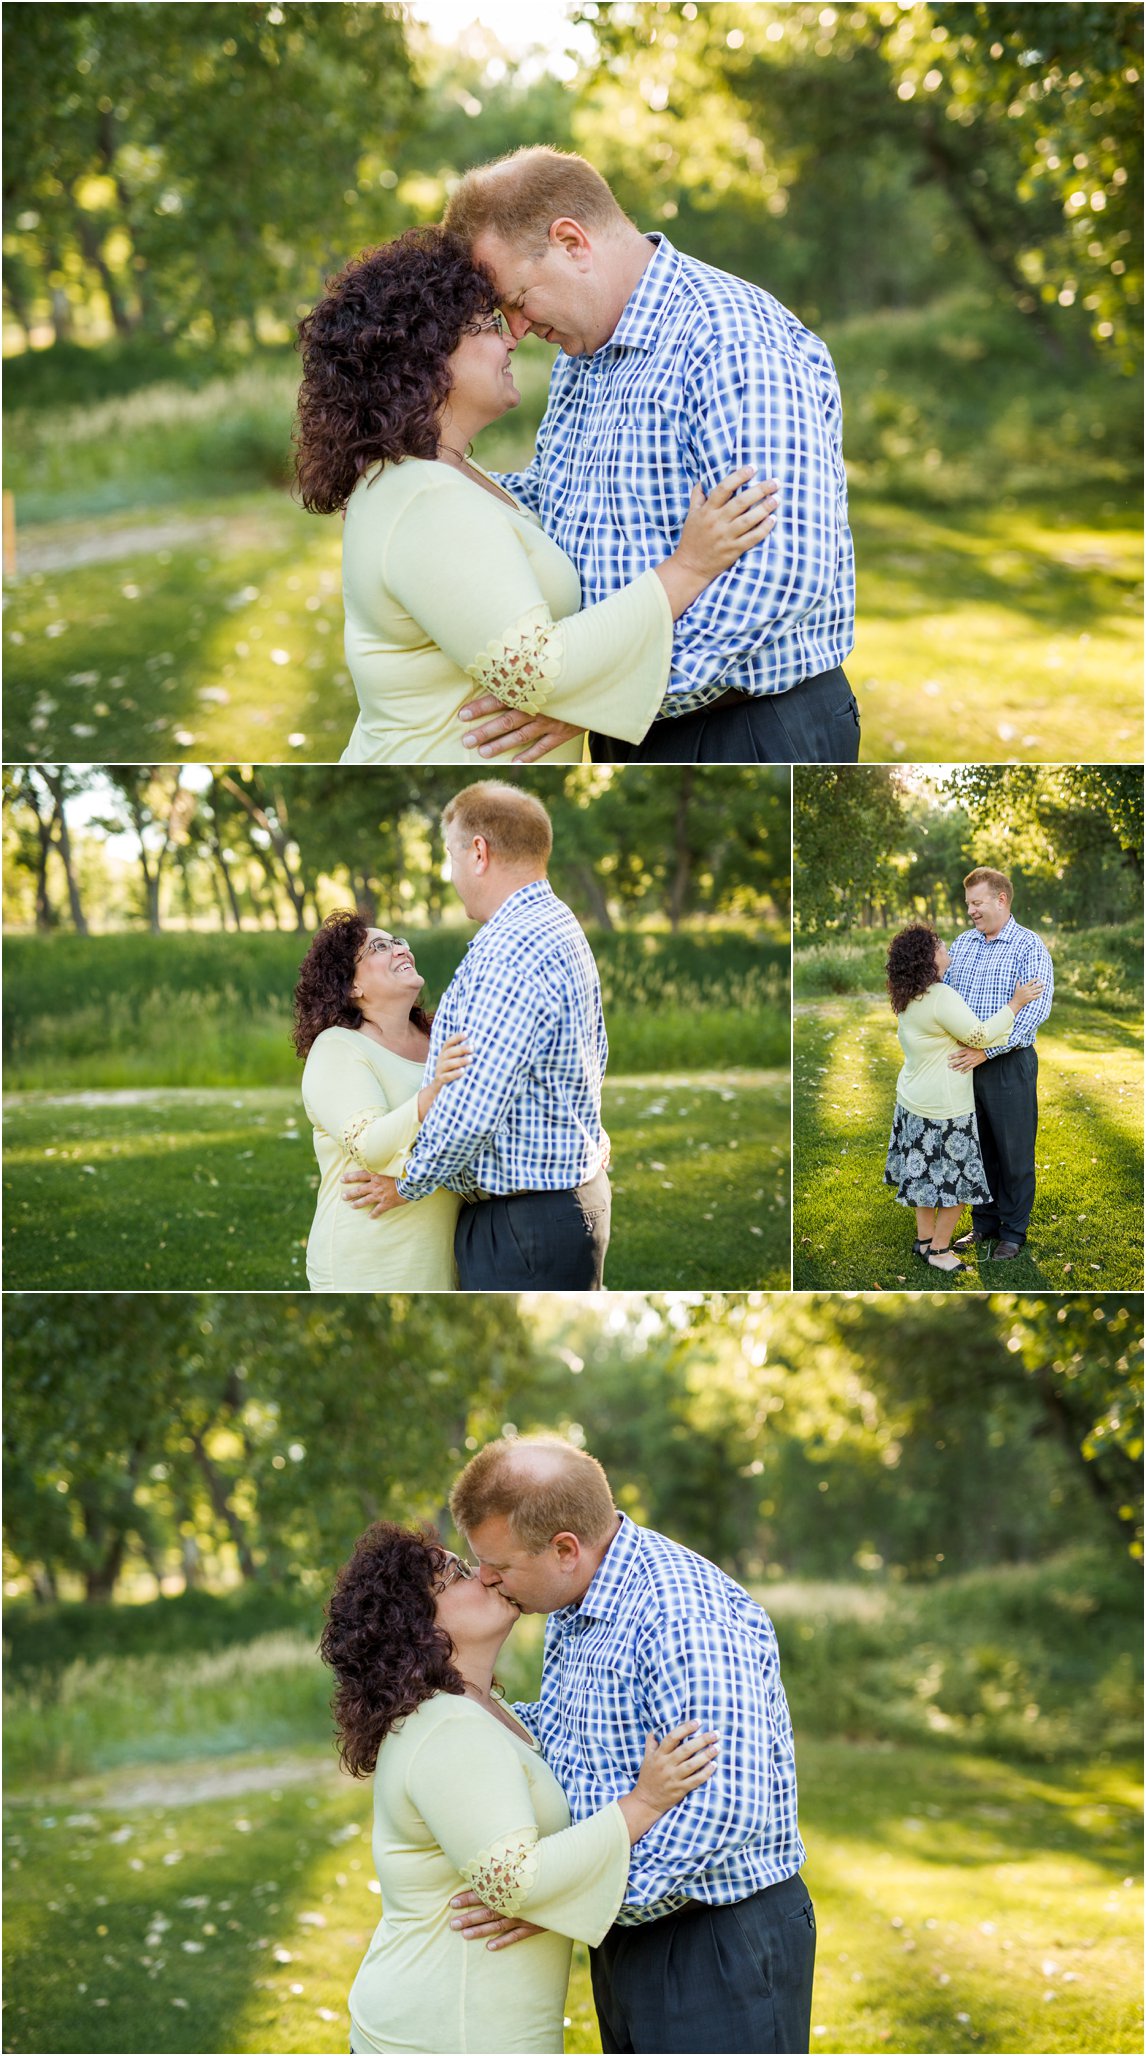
932	1162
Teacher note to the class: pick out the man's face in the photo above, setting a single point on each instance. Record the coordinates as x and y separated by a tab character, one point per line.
986	910
538	1583
552	293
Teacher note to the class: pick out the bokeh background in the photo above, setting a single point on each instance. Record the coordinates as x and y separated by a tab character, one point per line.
942	1516
877	847
950	193
156	917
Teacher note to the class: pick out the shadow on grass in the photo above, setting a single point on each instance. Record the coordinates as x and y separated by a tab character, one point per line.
1029	560
963	1888
1086	1229
193	1940
128	658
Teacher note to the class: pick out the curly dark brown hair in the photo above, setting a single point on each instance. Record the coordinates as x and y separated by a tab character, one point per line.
375	359
326	974
382	1639
911	964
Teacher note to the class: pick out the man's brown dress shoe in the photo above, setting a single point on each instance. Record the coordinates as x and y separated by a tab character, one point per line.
1003	1250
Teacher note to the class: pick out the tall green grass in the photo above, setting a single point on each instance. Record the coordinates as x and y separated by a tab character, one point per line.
1029	1661
935	399
98	1012
1091	963
154	432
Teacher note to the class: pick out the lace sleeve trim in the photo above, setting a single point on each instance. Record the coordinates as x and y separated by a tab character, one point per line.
353	1132
522	667
505	1874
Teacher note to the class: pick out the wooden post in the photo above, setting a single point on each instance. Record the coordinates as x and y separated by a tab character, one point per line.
9	535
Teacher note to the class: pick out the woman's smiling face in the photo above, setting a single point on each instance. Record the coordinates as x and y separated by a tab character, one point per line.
481	373
384	967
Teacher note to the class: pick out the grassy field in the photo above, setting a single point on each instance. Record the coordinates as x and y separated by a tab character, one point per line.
172	600
998	633
969	1896
1086	1230
191	1189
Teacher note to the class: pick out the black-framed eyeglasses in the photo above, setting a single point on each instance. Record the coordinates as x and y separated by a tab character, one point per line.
494	324
455	1567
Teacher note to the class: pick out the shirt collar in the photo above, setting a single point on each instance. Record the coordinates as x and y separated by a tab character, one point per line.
641	315
612	1574
1007	932
534	894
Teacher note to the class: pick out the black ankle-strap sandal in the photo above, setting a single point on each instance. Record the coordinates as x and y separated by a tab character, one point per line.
920	1247
956	1267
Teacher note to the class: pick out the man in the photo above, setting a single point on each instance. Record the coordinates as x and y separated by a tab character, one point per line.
519	1134
714	1945
670	373
986	965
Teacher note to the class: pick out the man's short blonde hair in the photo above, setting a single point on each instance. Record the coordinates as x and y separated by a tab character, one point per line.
519	196
515	824
995	881
542	1485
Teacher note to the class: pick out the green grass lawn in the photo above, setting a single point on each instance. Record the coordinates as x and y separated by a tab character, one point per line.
1086	1230
186	1869
1002	631
193	1189
962	1904
1007	632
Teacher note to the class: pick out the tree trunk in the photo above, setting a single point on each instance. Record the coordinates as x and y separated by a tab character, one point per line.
99	1582
222	1508
17	298
55	786
594	893
88	236
366	900
45	912
682	874
978	217
229	882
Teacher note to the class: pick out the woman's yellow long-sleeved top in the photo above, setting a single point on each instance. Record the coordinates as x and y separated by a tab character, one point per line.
450	592
462	1804
362	1103
929	1030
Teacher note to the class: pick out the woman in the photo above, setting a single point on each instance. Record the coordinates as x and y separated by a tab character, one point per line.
933	1157
365	1040
463	1800
448	581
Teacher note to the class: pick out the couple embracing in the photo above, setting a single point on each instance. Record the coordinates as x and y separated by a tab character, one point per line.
645	1803
966	1114
464	1147
672	572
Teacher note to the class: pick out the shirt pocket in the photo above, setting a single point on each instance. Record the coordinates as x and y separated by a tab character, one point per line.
640	472
607	1722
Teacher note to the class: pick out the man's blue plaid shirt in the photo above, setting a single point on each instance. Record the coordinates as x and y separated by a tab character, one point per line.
526	1115
702	374
985	973
661	1637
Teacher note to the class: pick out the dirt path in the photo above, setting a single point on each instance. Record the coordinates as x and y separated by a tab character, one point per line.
188	1784
67	545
